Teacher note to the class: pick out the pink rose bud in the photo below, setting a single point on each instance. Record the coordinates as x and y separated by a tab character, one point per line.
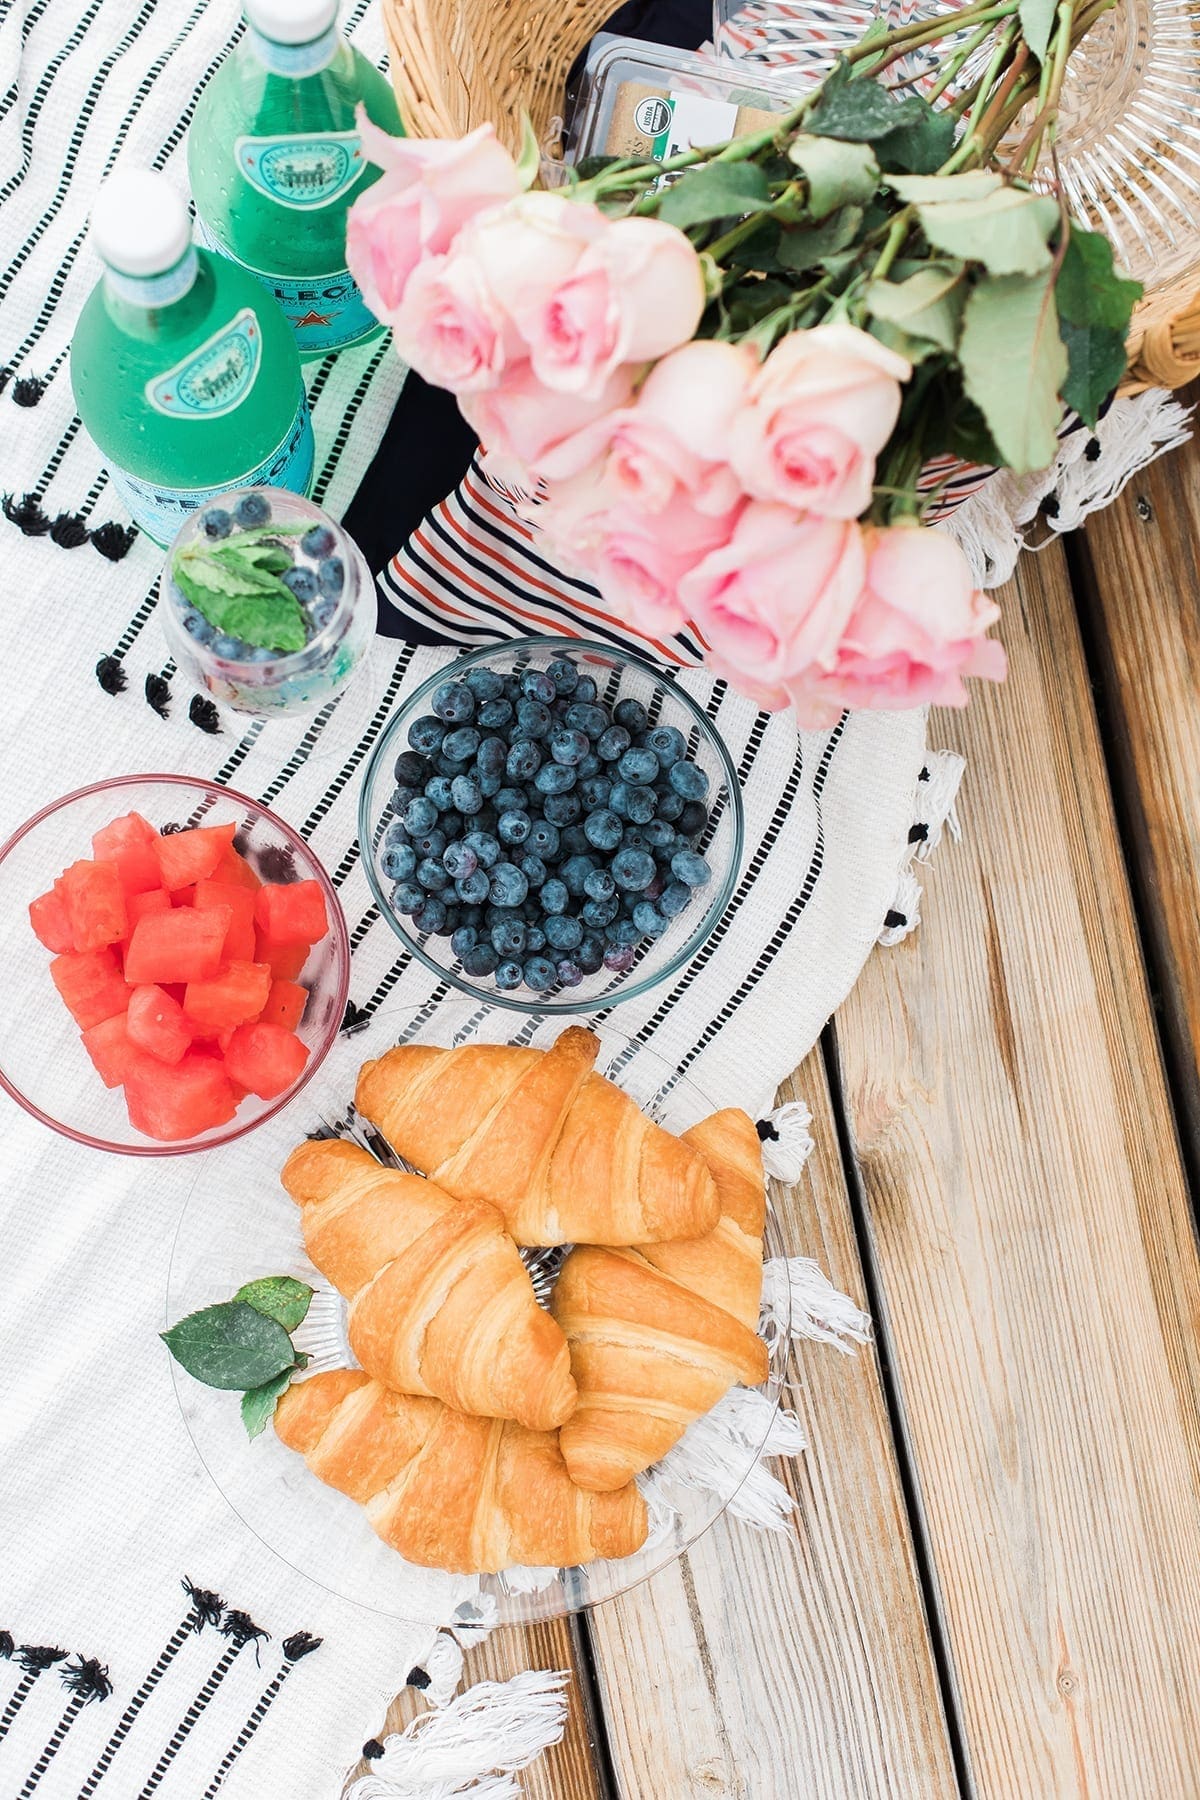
820	409
520	422
449	328
637	560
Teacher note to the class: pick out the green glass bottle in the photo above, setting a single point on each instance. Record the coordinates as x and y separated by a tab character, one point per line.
275	163
184	371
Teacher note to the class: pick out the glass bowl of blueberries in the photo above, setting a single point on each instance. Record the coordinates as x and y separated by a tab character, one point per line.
551	825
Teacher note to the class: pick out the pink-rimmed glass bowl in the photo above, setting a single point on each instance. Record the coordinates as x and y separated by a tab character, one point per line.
43	1064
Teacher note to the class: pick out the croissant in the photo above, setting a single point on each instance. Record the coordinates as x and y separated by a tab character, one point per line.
725	1266
563	1153
450	1491
440	1301
648	1357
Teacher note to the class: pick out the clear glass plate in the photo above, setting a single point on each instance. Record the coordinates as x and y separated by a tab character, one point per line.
238	1223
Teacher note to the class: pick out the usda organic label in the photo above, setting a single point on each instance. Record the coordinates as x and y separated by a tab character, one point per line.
301	172
215	378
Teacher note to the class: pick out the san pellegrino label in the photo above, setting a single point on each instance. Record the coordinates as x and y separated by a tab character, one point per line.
301	171
326	312
215	378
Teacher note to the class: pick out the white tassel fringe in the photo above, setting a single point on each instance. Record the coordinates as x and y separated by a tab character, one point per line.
934	809
443	1666
799	1298
785	1154
473	1746
712	1454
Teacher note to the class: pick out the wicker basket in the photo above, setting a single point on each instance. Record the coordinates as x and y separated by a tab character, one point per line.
458	63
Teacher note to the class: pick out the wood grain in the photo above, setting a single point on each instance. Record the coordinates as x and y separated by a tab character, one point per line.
1144	580
1031	1236
794	1666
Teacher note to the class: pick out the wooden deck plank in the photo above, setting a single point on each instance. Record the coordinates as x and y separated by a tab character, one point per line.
770	1667
1144	582
1032	1242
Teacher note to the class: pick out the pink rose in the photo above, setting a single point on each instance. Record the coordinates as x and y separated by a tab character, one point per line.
636	292
820	409
520	421
429	189
449	328
917	630
776	598
697	391
529	247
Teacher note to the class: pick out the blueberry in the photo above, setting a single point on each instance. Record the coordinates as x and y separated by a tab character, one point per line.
454	702
563	674
569	747
451	824
231	648
511	799
420	815
462	744
216	522
317	542
688	780
430	843
635	838
647	918
540	974
640	767
533	869
535	940
631	714
440	789
593	721
554	778
251	510
398	861
491	756
599	913
554	896
508	887
481	960
633	803
575	872
667	743
489	785
693	819
599	884
545	839
632	870
395	833
674	898
623	931
458	859
331	576
618	958
495	713
464	939
509	975
302	582
591	765
485	684
474	887
467	794
409	767
569	972
562	809
400	798
508	938
595	793
585	688
408	897
431	875
534	720
539	686
197	626
613	743
590	953
669	804
691	869
485	847
426	733
431	916
523	761
513	827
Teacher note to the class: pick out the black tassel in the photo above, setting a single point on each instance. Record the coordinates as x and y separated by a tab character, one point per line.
87	1678
26	514
113	540
372	1749
766	1131
301	1643
892	919
203	713
1050	506
33	1658
277	863
241	1629
918	834
354	1018
207	1606
1091	450
111	675
28	389
7	1644
419	1679
69	531
158	695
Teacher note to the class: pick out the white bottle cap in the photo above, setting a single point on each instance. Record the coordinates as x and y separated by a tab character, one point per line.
140	224
291	21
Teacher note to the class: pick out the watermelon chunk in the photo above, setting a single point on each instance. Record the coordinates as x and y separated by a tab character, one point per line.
180	1102
185	857
90	984
156	1024
285	961
94	900
291	914
138	905
239	941
234	869
285	1005
265	1058
180	945
238	993
130	842
51	926
111	1049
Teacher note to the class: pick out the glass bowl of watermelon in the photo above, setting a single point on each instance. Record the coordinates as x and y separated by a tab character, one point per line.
177	965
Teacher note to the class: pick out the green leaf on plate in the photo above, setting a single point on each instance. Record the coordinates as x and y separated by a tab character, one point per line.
861	110
838	174
715	191
1007	231
1089	291
280	1297
1096	362
1037	22
928	304
922	145
807	246
1014	364
232	1345
258	1404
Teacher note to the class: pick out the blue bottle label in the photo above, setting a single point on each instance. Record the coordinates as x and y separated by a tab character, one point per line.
301	171
214	379
160	511
325	312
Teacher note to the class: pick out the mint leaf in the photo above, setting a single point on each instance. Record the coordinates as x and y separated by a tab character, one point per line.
922	145
1037	22
258	1404
809	245
861	111
256	534
716	190
928	304
272	618
1014	365
1096	362
221	575
1007	231
1089	290
230	1346
270	557
280	1297
838	174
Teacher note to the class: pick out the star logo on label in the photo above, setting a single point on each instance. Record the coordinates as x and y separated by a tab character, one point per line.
312	318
